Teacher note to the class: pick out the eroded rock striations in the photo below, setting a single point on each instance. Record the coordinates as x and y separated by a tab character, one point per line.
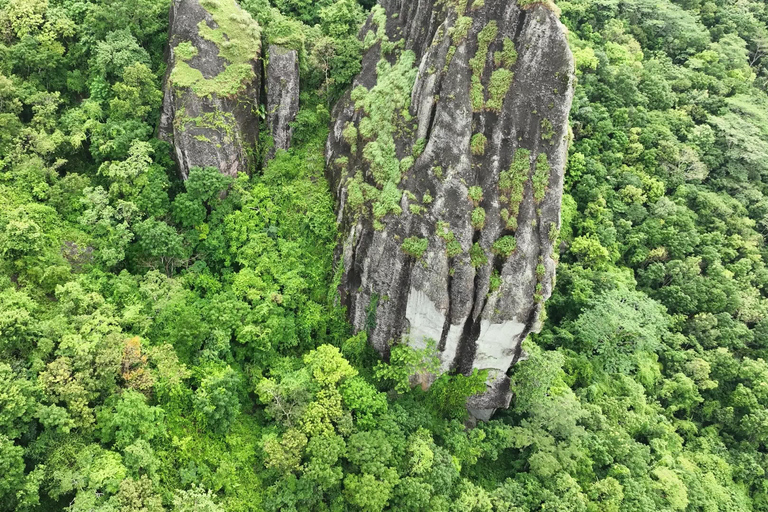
282	84
212	86
447	158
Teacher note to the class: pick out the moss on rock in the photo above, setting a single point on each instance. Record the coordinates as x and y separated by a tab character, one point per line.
238	39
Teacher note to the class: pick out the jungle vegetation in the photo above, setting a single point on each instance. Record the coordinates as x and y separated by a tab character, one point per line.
164	346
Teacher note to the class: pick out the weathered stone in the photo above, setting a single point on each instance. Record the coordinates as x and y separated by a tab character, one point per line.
447	159
282	82
212	86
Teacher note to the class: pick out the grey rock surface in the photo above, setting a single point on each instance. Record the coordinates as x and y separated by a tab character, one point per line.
448	153
282	83
210	96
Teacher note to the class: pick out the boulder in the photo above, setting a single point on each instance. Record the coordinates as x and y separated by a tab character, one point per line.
282	84
212	86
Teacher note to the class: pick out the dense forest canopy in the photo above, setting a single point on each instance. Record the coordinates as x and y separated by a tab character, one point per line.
167	346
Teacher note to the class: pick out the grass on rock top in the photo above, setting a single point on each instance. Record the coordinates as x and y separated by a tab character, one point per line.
238	38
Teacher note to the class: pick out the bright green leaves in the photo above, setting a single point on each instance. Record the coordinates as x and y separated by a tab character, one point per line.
137	96
547	131
137	495
21	238
371	453
340	18
195	499
117	52
323	465
350	136
185	51
475	193
285	455
368	493
365	402
478	63
511	186
540	179
484	39
415	246
421	453
385	107
285	397
507	56
203	190
161	244
87	471
669	485
478	218
505	246
11	467
17	402
129	176
478	144
477	256
128	419
454	248
448	394
461	29
137	189
322	403
501	81
406	362
328	367
619	324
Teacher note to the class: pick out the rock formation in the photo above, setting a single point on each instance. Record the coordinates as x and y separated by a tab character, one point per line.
282	83
447	158
212	86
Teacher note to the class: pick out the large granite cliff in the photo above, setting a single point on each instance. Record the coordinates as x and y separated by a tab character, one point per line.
447	158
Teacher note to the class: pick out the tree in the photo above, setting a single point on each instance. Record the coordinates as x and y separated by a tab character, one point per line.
12	468
17	402
217	400
619	324
195	499
130	418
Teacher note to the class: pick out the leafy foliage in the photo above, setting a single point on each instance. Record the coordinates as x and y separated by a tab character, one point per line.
179	346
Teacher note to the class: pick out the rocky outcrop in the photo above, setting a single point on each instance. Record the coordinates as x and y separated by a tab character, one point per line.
447	158
212	86
282	84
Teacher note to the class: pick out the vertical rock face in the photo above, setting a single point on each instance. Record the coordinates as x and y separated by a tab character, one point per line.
282	83
212	86
447	158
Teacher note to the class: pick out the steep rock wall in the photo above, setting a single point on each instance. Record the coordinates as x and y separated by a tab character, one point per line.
212	86
282	83
447	158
